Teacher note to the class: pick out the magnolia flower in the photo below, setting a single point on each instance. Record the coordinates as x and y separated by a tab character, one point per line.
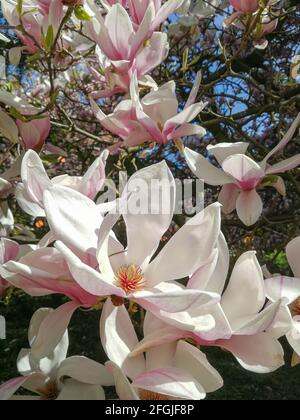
35	181
243	323
133	274
55	377
288	289
241	176
172	371
155	118
34	133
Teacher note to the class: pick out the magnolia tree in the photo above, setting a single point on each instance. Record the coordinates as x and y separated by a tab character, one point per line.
150	172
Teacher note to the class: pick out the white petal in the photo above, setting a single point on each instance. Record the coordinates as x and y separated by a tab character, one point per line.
85	370
146	225
124	389
77	391
222	151
170	382
260	353
282	287
187	249
245	294
249	207
73	218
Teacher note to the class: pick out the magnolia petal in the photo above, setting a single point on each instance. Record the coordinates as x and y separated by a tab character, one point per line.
158	338
195	90
285	140
94	178
259	353
118	338
120	29
52	329
283	287
34	177
170	382
222	151
73	218
8	127
190	359
284	166
203	169
86	371
293	252
249	207
261	322
8	389
186	130
245	294
293	336
242	168
26	202
124	389
228	197
186	116
146	225
168	8
174	301
88	278
186	251
77	391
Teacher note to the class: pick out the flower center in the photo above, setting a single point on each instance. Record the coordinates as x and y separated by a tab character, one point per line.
130	278
295	307
49	392
149	395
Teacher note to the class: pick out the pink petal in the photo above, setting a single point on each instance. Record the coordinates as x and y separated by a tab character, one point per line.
249	207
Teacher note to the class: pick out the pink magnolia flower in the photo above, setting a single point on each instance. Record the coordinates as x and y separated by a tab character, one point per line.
245	6
243	323
54	376
287	322
9	250
171	371
241	176
35	181
126	50
34	133
155	118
